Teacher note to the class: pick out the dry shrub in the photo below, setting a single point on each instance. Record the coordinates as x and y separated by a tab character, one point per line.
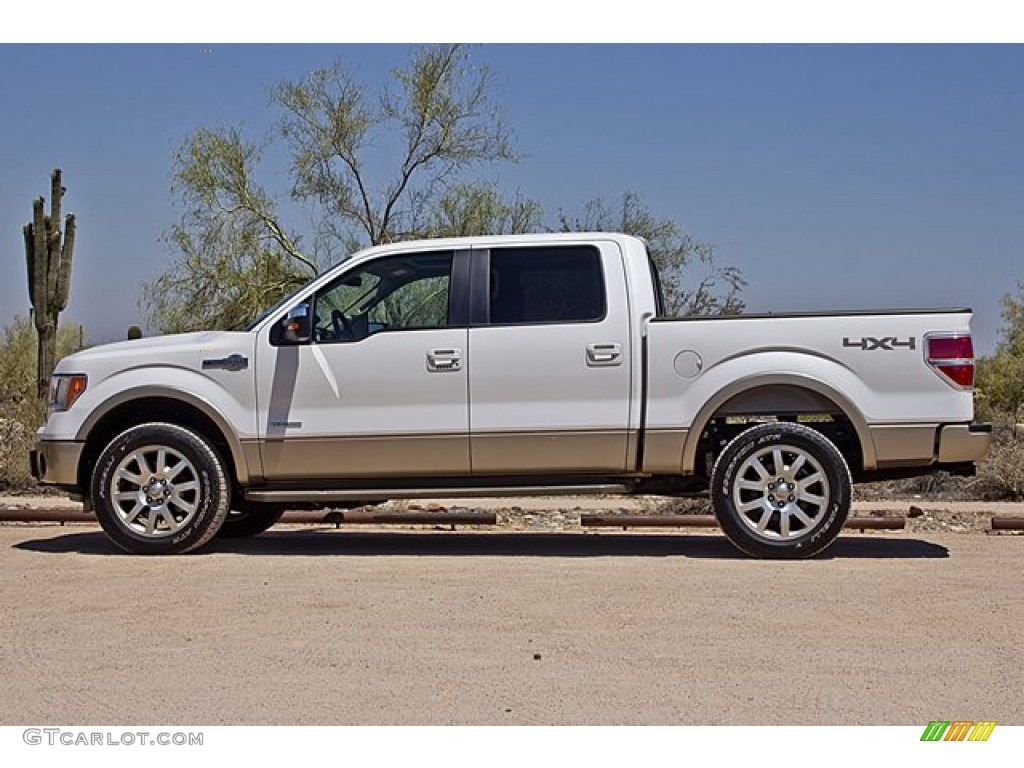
1001	475
20	412
15	441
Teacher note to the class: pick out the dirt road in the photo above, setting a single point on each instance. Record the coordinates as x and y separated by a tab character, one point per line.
316	626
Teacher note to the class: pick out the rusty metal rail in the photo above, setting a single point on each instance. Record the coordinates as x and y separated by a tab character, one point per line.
372	517
1008	523
889	523
15	515
869	523
333	517
598	520
477	517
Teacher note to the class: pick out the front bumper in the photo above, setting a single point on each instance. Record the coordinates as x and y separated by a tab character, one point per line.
55	462
964	442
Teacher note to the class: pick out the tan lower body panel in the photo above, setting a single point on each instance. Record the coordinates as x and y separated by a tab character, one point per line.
663	451
549	452
356	457
253	460
59	461
904	445
958	443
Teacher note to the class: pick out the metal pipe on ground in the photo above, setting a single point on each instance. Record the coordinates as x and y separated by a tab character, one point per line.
371	517
333	517
1008	523
888	523
45	516
474	517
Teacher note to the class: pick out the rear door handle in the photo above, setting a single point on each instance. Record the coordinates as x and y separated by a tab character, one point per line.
604	354
443	360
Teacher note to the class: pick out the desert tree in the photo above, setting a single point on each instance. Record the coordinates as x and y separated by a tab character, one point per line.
370	165
694	283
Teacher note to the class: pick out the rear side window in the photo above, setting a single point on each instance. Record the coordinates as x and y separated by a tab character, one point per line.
546	285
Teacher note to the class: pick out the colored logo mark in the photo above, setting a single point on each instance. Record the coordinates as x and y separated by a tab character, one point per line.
958	730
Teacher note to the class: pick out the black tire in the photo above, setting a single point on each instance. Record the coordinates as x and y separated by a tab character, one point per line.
160	489
245	520
781	491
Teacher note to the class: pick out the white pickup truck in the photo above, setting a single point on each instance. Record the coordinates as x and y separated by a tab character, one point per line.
529	364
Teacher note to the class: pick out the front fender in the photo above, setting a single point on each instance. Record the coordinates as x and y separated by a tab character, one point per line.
233	417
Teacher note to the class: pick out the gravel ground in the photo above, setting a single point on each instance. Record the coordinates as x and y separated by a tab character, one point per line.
317	626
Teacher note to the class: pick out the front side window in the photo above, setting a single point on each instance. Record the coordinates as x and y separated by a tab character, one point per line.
390	294
546	285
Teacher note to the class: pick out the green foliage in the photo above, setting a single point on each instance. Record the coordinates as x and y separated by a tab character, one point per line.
999	397
220	282
234	258
999	380
693	283
465	210
436	112
21	412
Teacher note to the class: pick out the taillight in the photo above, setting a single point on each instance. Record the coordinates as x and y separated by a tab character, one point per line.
952	356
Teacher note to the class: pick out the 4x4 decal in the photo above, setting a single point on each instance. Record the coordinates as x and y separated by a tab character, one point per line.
888	343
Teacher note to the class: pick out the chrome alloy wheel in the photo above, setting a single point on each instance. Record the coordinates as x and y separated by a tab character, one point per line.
155	491
781	492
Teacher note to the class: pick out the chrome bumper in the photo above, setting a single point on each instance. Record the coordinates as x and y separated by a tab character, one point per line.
56	462
964	442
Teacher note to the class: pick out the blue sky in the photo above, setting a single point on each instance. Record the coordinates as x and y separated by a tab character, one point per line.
865	176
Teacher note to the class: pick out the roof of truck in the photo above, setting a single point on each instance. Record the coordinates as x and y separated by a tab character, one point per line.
484	241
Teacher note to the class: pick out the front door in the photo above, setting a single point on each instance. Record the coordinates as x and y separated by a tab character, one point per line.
380	390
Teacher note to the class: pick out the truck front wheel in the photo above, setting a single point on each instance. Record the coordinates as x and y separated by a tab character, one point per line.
781	490
160	489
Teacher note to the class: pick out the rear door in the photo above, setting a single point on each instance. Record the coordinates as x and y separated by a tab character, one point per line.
550	347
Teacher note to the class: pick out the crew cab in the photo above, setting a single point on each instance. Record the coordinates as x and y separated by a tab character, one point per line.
505	365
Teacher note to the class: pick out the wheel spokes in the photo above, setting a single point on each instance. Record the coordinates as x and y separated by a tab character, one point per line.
780	500
155	490
139	458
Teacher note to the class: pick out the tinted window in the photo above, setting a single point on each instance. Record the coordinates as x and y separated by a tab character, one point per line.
546	285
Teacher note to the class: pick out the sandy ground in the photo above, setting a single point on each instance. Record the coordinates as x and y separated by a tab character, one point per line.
317	626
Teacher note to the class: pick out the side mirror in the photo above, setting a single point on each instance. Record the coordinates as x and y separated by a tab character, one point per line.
296	328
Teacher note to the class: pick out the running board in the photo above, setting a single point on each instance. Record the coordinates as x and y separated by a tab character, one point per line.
387	494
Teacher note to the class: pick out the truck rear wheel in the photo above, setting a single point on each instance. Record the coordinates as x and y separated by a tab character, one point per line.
781	490
160	489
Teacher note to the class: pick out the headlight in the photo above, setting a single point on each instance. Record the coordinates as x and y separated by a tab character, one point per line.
65	388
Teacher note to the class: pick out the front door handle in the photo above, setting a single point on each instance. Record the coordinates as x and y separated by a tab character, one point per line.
443	360
604	354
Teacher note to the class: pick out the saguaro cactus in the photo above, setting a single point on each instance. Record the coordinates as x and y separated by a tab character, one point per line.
48	254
